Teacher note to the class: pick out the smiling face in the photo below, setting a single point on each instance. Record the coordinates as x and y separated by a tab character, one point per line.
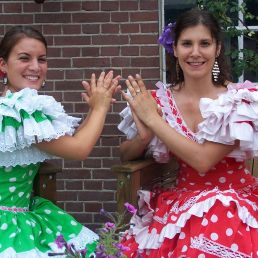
196	51
26	65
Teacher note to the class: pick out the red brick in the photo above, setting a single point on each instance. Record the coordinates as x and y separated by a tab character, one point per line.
110	28
51	29
121	61
107	40
74	74
109	5
53	18
71	29
144	39
149	27
13	19
149	4
102	174
51	6
73	185
12	8
128	5
74	174
90	28
110	51
130	28
75	40
144	16
92	206
145	61
74	206
90	6
90	51
95	196
71	6
71	51
119	17
91	17
31	8
149	50
130	51
92	185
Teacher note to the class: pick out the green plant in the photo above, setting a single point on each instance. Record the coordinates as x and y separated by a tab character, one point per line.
226	12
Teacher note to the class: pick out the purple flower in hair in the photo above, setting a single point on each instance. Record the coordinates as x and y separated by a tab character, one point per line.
166	39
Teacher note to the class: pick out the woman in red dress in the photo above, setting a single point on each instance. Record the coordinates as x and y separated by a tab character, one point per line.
210	125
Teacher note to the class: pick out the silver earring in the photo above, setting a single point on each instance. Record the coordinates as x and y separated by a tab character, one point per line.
5	80
215	71
43	84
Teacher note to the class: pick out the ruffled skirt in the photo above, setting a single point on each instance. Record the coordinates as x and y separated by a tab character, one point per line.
209	223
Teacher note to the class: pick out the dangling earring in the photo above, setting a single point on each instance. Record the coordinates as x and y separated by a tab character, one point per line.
43	84
215	71
177	70
5	80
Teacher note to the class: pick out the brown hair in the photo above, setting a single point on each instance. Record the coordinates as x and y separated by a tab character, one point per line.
14	35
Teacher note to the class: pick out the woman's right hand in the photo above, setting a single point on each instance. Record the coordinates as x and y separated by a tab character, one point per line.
99	93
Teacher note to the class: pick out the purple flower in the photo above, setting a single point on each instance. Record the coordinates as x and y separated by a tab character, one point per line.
166	39
121	247
109	225
60	242
130	208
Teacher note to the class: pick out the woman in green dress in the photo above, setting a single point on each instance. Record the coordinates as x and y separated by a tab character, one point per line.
33	128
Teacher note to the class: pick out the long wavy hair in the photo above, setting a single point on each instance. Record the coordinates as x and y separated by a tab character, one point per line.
193	18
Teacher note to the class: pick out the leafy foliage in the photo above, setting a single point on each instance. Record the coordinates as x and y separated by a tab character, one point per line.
226	12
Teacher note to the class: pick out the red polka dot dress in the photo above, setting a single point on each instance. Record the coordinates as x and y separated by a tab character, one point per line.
205	215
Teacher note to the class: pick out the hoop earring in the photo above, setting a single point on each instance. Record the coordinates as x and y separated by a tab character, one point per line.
5	80
215	71
43	84
177	70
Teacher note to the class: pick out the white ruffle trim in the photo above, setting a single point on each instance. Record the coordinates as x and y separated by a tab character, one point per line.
30	132
153	240
86	236
232	116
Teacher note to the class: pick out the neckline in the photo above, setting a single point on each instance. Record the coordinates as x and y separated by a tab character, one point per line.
180	115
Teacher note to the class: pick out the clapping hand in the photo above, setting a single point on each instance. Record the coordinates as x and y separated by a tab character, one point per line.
99	93
141	101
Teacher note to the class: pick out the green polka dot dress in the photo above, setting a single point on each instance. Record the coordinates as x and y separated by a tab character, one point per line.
29	225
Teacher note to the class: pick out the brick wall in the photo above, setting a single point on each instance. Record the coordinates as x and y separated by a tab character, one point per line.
84	37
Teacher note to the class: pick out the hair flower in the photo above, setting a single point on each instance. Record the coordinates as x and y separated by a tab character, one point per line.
166	39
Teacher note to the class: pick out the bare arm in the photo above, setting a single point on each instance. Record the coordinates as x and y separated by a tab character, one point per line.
202	157
99	96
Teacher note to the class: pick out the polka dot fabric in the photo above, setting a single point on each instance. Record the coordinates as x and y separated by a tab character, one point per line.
205	215
30	225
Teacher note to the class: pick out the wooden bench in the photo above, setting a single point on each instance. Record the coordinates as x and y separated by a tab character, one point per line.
45	181
144	174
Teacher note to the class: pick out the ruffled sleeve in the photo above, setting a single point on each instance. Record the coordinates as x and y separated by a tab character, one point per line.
232	116
156	148
27	118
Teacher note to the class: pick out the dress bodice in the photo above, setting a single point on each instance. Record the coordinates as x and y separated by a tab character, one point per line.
16	185
227	174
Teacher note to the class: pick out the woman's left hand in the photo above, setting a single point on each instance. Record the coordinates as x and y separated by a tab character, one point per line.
141	101
99	93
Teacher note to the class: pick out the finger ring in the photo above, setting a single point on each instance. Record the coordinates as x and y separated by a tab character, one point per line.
138	91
